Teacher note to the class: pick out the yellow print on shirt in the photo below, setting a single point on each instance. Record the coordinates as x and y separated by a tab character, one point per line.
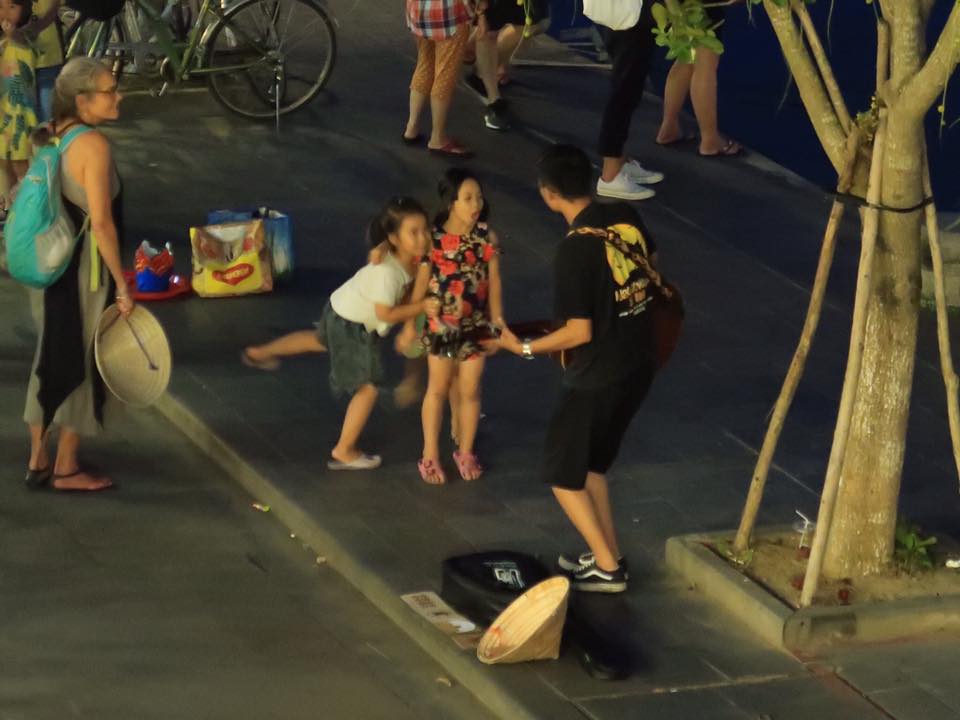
621	266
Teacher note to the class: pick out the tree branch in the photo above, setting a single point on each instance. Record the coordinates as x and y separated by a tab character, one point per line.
815	99
823	64
920	92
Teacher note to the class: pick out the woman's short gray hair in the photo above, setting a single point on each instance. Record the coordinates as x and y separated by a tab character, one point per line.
77	77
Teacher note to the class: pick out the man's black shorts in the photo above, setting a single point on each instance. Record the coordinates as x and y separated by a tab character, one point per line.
509	12
587	427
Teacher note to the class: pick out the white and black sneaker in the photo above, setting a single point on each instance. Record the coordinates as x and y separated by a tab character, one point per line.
590	578
495	115
570	564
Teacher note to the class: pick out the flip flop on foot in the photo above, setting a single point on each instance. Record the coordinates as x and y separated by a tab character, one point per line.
362	462
730	149
431	472
415	140
682	139
39	478
269	364
80	482
452	149
468	464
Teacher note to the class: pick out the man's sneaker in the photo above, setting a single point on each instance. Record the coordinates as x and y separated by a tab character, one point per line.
570	564
590	578
624	188
639	174
494	117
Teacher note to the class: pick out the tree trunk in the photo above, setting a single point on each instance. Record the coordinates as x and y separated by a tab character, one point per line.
862	536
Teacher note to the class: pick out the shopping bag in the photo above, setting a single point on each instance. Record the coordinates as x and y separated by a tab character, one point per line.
278	232
230	259
154	266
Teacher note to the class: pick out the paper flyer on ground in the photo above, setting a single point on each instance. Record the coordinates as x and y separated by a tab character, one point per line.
443	617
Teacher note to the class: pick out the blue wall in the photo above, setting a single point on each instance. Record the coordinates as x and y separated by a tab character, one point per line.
754	78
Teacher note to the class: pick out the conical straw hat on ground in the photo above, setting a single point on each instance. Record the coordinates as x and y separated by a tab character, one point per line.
133	355
530	628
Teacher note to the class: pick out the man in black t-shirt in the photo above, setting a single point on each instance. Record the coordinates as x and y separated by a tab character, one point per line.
602	306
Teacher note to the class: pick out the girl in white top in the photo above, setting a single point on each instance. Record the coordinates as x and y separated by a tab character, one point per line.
358	314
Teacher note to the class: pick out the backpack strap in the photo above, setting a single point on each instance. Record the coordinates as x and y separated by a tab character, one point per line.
611	237
70	135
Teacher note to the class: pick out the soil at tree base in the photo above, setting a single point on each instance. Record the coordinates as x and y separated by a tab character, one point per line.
777	564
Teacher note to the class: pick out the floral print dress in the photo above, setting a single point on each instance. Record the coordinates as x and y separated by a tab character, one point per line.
460	278
18	115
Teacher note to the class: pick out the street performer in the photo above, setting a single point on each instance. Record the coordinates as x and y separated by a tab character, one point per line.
602	308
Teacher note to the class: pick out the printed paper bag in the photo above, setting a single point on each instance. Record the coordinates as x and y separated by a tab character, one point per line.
278	232
230	259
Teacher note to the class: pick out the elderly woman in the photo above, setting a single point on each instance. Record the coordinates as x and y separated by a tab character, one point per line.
65	389
441	28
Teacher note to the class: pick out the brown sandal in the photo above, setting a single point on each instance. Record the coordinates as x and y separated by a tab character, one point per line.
453	149
105	483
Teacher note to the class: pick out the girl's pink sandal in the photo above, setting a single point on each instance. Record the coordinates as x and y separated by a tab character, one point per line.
468	464
431	472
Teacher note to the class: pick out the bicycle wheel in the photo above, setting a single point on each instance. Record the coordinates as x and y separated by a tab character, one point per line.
270	56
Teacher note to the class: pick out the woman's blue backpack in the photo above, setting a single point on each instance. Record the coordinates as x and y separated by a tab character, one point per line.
39	235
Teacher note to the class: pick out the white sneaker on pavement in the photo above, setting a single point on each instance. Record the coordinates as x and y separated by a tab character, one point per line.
624	188
638	173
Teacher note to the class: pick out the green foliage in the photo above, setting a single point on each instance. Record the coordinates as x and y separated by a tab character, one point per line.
683	26
725	549
912	551
867	121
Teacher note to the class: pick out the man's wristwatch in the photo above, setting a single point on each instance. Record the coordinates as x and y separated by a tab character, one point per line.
526	352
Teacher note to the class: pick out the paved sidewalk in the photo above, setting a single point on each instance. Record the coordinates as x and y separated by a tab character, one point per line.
738	237
172	599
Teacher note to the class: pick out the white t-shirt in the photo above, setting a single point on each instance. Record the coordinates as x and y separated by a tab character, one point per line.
382	284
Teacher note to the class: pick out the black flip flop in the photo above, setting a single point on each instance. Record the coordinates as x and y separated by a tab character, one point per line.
38	479
415	140
725	151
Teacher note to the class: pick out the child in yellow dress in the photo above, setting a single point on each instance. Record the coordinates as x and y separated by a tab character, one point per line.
18	111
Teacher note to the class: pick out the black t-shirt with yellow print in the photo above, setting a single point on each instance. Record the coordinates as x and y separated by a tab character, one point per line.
594	281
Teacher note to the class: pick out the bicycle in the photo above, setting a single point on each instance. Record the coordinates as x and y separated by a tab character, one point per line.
261	58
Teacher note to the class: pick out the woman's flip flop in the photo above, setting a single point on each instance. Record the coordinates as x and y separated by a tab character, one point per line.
269	365
364	462
452	149
105	484
468	464
431	472
730	149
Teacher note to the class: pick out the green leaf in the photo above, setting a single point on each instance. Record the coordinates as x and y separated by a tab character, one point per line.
712	43
659	13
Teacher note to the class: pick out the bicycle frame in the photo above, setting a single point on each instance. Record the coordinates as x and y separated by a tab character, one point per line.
185	57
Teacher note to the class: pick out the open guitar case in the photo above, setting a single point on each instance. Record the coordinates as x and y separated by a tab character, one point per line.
481	586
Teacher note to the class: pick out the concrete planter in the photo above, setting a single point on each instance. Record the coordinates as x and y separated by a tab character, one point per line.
806	629
950	245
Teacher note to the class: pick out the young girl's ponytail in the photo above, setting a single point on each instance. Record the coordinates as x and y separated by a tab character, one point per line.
391	217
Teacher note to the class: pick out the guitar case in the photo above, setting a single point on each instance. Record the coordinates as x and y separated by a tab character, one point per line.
482	585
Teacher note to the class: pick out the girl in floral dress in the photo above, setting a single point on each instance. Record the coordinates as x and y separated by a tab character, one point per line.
462	270
18	111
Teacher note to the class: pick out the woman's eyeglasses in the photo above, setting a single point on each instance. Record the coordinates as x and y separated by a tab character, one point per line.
109	91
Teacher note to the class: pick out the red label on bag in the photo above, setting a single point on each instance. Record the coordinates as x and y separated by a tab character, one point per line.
234	275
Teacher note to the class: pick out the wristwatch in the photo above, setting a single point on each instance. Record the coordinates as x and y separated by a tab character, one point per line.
526	352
